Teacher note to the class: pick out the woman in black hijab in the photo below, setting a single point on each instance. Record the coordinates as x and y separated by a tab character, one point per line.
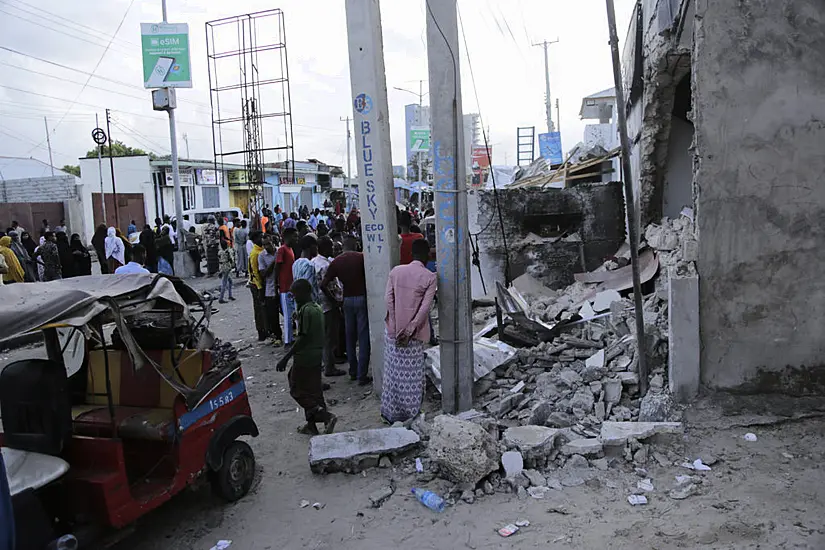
28	242
99	244
147	240
66	257
82	260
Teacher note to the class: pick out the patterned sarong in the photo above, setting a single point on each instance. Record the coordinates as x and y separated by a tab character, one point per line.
403	385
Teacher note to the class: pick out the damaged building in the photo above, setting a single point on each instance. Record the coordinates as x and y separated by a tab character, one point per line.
724	118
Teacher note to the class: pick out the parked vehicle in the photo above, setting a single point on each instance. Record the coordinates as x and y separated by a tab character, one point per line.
134	403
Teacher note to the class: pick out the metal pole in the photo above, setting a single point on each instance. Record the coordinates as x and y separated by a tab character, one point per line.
629	198
348	191
100	173
173	140
374	159
450	187
558	115
420	115
112	167
49	143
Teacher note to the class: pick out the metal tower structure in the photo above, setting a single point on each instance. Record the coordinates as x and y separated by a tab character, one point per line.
250	98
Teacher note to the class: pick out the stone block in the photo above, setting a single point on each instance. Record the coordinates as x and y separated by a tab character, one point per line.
463	451
513	463
354	451
683	338
583	447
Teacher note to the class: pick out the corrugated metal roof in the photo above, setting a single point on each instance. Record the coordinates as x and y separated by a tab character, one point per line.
17	168
604	94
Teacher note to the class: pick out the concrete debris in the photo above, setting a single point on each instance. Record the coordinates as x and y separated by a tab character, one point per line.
534	442
645	485
637	500
655	407
536	479
682	492
378	497
538	492
618	433
354	451
583	447
463	451
604	298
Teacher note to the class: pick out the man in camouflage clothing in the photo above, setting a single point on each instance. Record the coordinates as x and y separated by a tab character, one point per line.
211	241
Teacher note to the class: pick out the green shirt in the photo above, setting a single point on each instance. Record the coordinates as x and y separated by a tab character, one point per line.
309	340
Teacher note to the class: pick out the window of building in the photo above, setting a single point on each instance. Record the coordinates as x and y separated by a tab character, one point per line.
211	197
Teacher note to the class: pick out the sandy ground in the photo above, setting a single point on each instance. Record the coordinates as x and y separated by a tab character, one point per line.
766	494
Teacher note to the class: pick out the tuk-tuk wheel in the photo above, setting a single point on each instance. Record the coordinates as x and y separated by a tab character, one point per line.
233	480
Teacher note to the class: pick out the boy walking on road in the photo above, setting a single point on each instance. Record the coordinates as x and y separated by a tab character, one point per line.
305	385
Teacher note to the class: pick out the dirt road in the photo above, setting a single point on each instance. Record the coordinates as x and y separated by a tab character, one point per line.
766	494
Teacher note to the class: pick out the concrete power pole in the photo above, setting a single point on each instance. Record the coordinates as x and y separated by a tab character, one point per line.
348	191
49	143
547	102
450	188
374	160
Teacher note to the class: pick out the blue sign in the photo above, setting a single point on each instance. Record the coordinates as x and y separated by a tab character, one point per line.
363	103
550	147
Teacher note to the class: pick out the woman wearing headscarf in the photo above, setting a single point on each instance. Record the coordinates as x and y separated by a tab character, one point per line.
66	257
28	242
115	250
41	267
81	259
166	252
23	257
99	244
15	274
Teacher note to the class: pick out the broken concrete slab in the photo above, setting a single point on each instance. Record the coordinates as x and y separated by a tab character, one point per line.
655	407
536	478
463	451
534	442
684	344
354	451
617	433
612	390
603	299
583	447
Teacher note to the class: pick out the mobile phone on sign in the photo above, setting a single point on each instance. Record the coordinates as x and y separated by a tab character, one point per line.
161	71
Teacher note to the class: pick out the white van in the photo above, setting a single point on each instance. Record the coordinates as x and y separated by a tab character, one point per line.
200	217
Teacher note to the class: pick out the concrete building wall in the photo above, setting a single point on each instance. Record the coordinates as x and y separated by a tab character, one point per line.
759	96
65	189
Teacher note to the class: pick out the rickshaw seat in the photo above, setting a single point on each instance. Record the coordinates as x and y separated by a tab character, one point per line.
142	387
130	422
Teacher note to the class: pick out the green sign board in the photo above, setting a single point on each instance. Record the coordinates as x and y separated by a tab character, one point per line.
419	140
165	55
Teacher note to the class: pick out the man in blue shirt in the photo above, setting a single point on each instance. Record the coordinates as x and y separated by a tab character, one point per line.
136	265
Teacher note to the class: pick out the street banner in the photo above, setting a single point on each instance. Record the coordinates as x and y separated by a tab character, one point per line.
165	55
420	140
550	147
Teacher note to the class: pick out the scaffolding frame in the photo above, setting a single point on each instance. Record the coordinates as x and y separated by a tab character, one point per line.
248	95
525	145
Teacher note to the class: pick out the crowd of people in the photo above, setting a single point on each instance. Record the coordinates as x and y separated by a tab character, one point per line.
54	256
305	271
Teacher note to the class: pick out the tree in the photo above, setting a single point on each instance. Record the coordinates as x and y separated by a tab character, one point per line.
426	167
72	169
119	149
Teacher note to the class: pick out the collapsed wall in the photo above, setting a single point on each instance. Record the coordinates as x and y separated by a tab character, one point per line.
551	233
759	91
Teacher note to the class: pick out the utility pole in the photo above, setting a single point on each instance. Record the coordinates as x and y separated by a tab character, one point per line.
348	192
547	101
376	194
49	143
420	95
100	173
450	188
632	220
112	167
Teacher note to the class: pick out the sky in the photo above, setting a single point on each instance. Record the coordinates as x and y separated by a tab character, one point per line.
50	48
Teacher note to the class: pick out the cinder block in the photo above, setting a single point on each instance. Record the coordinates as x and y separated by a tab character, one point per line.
684	354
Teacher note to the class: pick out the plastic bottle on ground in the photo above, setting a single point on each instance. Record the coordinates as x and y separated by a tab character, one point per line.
429	499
